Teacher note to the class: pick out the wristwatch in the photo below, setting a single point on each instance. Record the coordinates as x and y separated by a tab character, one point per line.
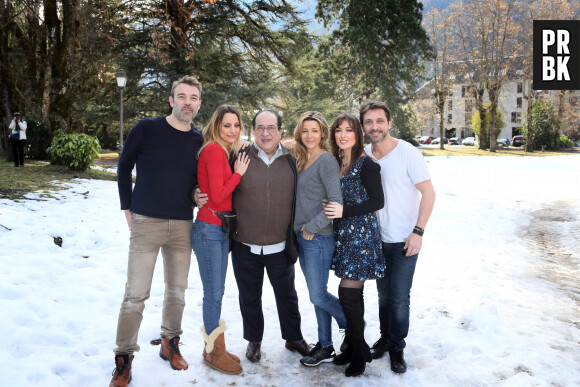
418	230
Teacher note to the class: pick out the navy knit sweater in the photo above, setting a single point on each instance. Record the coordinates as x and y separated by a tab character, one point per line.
166	161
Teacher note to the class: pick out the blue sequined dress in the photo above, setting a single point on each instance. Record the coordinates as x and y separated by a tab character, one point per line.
357	253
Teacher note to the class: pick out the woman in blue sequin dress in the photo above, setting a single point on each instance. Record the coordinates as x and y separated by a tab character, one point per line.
357	255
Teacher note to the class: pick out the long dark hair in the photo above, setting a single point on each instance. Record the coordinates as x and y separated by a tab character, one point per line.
357	149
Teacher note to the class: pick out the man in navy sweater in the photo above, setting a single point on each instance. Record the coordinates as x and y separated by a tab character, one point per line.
159	213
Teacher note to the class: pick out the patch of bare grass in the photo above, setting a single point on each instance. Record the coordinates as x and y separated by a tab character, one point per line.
474	151
40	176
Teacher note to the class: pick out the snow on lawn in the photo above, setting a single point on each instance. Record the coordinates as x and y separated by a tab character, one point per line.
495	299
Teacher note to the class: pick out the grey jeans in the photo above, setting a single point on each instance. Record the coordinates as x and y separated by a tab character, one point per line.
148	236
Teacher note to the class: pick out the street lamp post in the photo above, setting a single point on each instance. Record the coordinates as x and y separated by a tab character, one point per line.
121	82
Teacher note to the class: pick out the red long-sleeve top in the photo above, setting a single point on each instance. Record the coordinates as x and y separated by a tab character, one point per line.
215	178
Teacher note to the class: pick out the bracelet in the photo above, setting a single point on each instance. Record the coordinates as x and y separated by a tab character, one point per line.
418	230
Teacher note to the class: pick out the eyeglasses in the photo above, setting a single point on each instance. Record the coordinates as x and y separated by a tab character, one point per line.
271	129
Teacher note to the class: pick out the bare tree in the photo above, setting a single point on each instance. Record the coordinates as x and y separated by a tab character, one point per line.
487	32
437	25
531	10
468	36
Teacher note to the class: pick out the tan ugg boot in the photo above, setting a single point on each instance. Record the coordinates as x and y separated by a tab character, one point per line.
122	373
215	354
221	322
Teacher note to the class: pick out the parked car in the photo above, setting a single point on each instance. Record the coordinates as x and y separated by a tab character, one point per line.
469	141
454	141
518	140
426	139
438	140
503	142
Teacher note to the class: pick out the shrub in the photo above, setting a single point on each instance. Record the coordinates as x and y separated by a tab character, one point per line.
543	125
565	142
484	138
38	137
77	151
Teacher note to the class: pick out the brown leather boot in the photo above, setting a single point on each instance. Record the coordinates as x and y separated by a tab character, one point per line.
170	351
122	373
221	322
215	354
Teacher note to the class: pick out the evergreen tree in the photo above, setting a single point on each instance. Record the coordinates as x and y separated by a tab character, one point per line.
388	45
544	125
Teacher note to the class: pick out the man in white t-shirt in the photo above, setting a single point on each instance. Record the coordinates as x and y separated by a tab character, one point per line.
409	200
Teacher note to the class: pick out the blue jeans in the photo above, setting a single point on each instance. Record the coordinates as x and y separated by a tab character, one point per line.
315	256
210	245
394	291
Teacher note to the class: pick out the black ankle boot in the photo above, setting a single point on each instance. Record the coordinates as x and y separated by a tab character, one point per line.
360	354
379	348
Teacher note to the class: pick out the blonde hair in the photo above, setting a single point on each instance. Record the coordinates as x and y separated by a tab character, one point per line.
299	150
211	133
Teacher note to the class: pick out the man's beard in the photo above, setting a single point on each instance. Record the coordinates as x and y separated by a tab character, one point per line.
182	117
379	139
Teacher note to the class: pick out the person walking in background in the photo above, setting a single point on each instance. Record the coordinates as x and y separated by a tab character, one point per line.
209	242
357	254
159	214
409	201
18	128
318	179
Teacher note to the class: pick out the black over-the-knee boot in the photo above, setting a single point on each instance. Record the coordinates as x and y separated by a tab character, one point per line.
350	299
346	347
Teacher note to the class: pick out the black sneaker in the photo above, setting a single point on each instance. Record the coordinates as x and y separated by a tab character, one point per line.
318	355
379	348
398	364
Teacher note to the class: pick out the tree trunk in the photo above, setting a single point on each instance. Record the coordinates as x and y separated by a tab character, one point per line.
492	124
178	14
478	96
560	117
441	108
5	113
52	28
69	37
31	44
529	123
493	98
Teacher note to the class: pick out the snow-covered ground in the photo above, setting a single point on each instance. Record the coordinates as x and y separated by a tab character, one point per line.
495	299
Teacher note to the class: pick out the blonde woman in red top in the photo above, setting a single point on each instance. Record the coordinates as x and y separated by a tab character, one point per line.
222	138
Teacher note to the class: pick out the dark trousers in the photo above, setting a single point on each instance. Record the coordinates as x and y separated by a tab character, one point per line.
249	273
18	151
394	291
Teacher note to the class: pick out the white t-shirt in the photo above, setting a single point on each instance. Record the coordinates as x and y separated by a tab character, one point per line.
401	170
